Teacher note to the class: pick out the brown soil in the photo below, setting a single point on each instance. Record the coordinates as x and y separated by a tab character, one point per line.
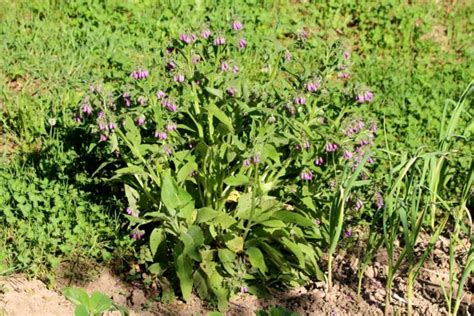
19	296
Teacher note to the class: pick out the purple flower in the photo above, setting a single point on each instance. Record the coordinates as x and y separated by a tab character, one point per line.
103	138
373	127
344	75
112	126
100	115
244	289
256	159
346	55
193	37
170	127
298	147
160	94
184	38
179	78
288	56
332	184
365	97
306	176
141	100
370	160
137	234
347	233
236	26
231	91
161	135
171	65
77	119
235	69
168	151
205	34
347	154
331	147
246	162
242	43
300	100
220	40
140	120
312	87
306	145
169	105
87	109
379	200
319	161
102	126
359	204
127	99
139	74
131	212
224	66
369	96
360	98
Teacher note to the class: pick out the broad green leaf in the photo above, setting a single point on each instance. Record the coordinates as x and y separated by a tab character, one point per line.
236	180
81	310
236	244
227	259
155	268
184	270
172	196
76	295
294	248
186	171
206	214
100	303
292	217
156	237
215	92
133	133
256	259
200	283
221	116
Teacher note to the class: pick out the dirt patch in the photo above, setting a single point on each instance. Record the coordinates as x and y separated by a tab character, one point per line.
19	296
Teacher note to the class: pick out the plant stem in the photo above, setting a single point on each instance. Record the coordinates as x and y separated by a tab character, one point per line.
388	293
410	282
330	273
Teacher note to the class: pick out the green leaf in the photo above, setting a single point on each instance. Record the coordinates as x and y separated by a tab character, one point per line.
133	133
156	237
76	296
227	259
171	195
81	310
295	249
292	217
100	303
215	92
236	244
206	214
185	171
184	270
256	259
155	268
200	283
236	180
221	116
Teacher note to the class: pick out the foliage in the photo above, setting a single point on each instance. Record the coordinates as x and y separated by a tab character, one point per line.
220	159
95	305
47	221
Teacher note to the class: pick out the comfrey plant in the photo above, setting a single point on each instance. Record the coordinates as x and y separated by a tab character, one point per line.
227	164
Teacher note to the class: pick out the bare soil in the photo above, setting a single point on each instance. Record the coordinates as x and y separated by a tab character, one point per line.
19	296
